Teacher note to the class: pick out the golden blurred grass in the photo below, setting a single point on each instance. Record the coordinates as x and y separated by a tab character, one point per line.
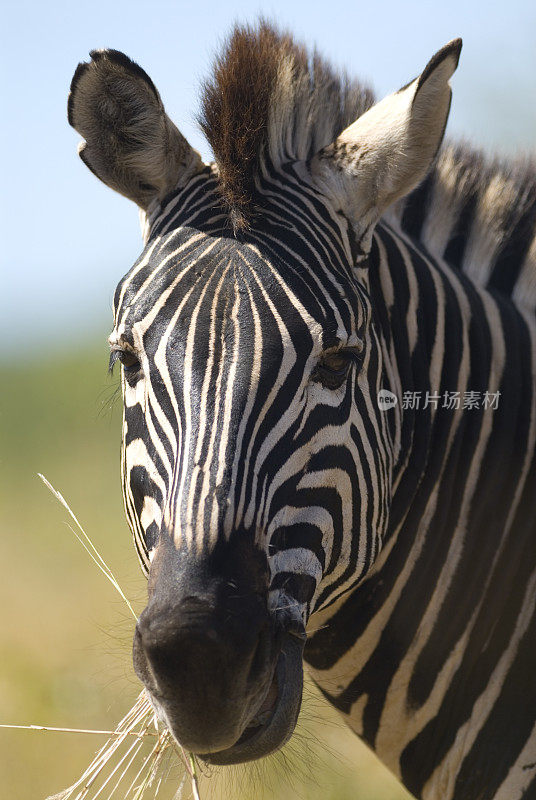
66	635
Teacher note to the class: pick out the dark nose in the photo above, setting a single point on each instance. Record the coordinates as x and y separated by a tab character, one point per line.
206	661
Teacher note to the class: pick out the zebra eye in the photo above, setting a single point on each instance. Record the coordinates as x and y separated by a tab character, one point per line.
130	363
333	368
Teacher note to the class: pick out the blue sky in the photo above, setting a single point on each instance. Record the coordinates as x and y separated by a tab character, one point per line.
67	239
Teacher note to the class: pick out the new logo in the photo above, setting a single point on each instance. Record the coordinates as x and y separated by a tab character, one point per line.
386	399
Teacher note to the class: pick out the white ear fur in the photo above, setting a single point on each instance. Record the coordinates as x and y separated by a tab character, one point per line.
389	149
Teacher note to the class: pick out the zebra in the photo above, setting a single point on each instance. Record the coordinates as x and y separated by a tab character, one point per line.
327	353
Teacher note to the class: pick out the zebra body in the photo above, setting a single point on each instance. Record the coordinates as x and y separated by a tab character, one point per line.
282	292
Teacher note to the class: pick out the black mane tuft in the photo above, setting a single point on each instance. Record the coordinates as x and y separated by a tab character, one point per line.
269	97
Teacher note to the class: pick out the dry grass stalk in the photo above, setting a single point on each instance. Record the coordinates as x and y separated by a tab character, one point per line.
112	776
110	773
88	545
52	729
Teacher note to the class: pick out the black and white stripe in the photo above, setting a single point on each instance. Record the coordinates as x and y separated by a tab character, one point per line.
280	290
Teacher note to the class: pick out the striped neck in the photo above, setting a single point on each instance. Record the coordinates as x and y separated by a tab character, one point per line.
427	652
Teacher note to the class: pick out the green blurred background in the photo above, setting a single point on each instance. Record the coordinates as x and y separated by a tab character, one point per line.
66	638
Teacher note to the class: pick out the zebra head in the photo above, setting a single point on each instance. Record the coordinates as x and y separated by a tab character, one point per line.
257	467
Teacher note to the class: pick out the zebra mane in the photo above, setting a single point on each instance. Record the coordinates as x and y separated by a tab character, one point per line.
269	97
479	214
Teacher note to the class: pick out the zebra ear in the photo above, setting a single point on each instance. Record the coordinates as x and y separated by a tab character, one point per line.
131	144
388	150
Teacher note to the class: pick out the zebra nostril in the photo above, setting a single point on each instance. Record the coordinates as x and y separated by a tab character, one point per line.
194	635
140	660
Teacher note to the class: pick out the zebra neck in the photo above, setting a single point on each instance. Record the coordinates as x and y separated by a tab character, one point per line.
461	361
427	657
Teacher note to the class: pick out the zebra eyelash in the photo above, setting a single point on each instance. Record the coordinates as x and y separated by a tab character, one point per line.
129	361
331	377
354	353
114	358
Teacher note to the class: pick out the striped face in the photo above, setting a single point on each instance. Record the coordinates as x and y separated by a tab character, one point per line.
251	368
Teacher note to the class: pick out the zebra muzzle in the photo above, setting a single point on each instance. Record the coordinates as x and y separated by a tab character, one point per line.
226	681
